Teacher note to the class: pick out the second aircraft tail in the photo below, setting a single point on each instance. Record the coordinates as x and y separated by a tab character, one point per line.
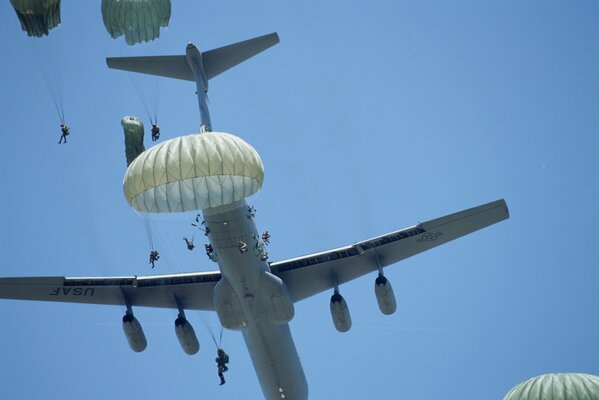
214	61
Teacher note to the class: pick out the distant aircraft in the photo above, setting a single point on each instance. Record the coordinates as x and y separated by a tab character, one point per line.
248	293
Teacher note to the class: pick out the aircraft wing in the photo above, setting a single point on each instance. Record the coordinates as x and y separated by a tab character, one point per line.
192	290
304	276
309	275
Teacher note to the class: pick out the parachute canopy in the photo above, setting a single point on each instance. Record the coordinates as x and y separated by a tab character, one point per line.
568	386
37	17
194	172
139	20
134	137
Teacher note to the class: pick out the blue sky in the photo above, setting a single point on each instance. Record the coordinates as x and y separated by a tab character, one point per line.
368	118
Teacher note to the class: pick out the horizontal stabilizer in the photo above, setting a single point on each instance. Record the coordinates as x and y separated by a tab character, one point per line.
219	60
214	61
168	66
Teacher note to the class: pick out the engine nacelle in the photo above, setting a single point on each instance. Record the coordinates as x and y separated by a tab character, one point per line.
275	298
134	333
384	295
227	305
187	336
340	313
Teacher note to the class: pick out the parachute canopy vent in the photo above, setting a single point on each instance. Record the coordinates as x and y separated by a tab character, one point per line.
566	386
139	20
194	172
37	17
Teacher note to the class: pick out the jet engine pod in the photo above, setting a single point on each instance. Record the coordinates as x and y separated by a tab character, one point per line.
340	313
134	333
187	336
384	295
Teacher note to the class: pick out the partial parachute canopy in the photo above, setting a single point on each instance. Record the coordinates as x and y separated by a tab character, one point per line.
139	20
567	386
134	137
194	172
37	17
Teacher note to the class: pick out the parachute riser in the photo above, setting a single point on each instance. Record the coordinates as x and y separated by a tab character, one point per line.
196	63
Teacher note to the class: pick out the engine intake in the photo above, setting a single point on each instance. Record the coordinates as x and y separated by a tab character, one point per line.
187	336
384	295
340	313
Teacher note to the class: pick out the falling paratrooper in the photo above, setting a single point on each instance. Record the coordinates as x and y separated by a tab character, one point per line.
37	18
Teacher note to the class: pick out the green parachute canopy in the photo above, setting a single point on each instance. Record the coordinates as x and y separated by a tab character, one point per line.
37	17
566	386
193	172
139	20
134	137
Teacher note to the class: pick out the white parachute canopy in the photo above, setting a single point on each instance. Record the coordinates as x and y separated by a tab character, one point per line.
194	172
566	386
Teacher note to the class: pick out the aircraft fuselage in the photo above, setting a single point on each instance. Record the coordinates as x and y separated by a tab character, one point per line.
250	300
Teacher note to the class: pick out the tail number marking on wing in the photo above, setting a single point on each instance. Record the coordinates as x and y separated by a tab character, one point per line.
62	291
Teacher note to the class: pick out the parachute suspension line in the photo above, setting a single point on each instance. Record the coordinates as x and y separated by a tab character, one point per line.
148	226
157	97
214	340
141	96
211	332
164	234
169	242
47	62
57	79
146	87
144	94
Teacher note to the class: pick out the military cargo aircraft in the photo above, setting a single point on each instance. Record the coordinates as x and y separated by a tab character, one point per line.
215	172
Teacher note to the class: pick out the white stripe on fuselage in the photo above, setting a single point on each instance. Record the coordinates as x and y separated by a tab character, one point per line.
270	345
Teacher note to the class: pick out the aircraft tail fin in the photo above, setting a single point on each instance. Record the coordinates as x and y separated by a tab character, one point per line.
214	61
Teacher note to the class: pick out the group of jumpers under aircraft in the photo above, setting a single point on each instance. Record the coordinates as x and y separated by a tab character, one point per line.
213	173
